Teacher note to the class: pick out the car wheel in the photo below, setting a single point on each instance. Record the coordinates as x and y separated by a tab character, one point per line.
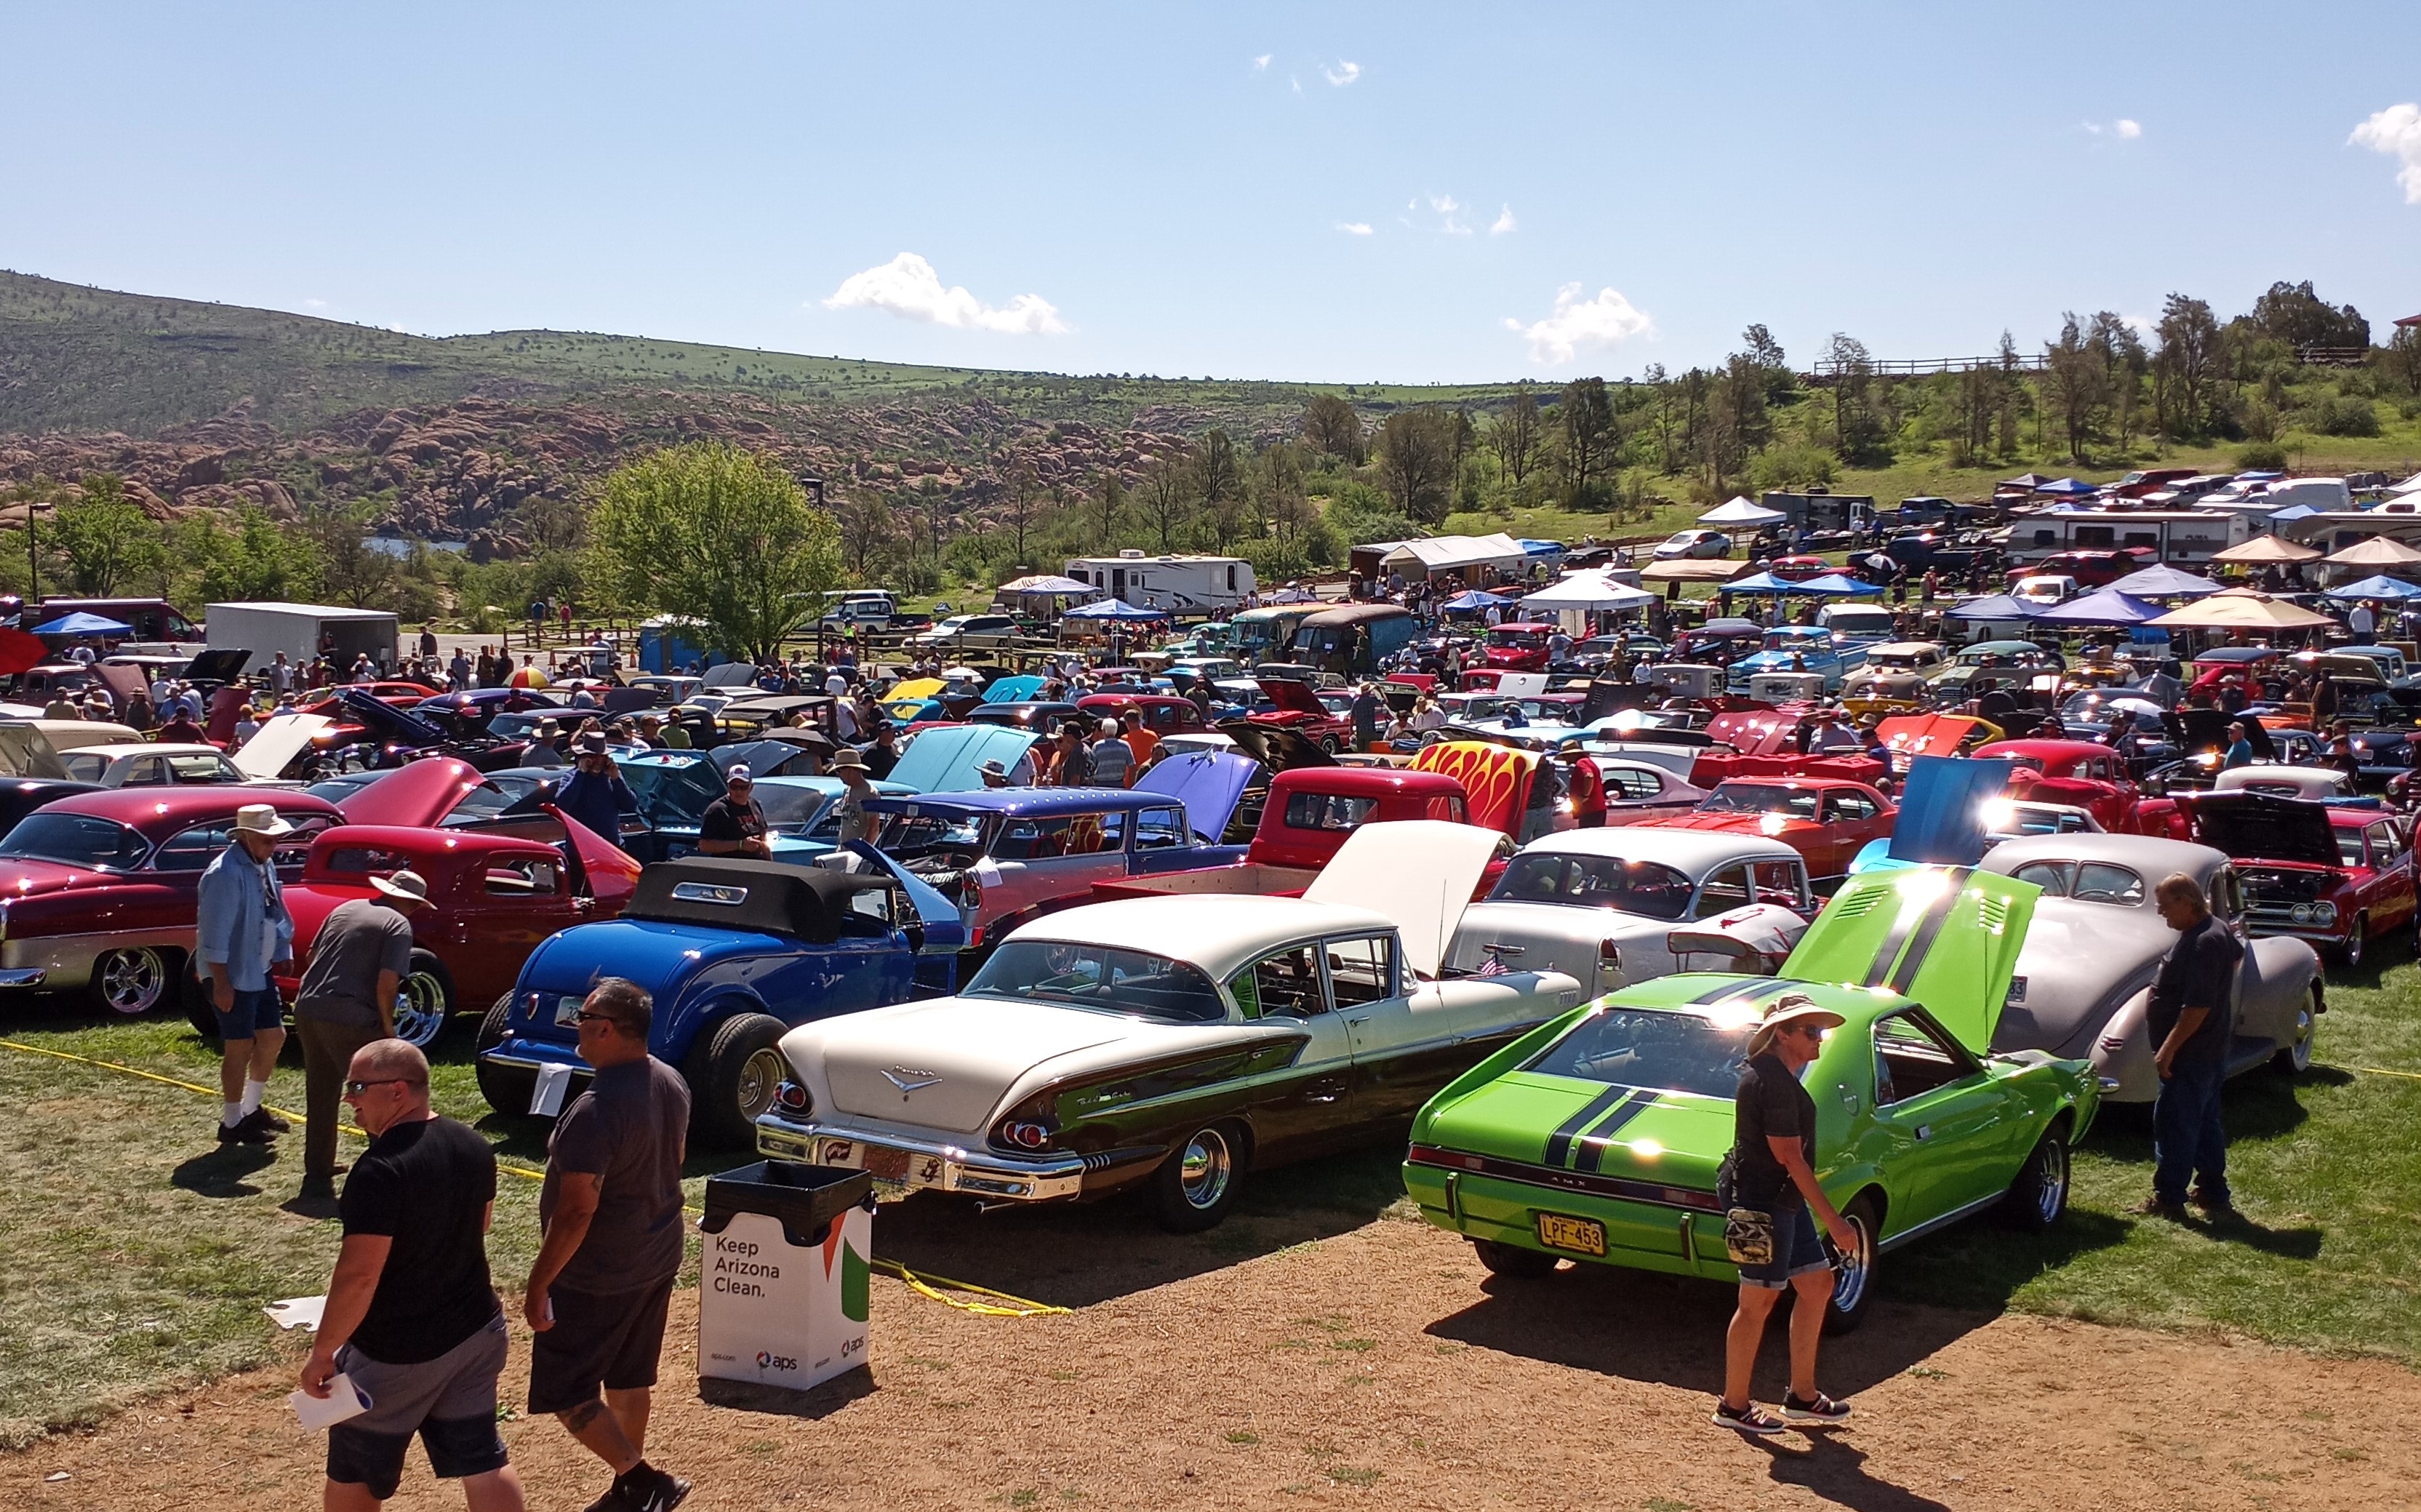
1194	1187
1514	1261
2039	1197
732	1075
134	981
1853	1274
508	1088
426	1003
2349	954
2296	1058
1328	744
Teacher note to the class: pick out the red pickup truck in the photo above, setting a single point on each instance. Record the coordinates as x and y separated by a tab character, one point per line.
1309	813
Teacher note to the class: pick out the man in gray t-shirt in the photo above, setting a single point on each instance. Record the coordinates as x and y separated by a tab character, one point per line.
358	963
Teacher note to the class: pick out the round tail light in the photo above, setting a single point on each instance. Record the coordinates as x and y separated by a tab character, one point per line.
1026	1134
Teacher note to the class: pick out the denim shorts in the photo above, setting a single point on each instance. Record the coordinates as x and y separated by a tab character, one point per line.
253	1012
1796	1253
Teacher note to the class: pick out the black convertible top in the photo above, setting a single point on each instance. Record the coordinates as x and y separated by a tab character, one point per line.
742	892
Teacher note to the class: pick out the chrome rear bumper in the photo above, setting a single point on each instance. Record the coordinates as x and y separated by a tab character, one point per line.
927	1164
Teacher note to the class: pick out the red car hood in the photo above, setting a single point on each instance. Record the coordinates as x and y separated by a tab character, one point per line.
414	796
1292	697
1733	822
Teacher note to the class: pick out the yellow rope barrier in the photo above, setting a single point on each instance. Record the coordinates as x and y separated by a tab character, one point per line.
923	1286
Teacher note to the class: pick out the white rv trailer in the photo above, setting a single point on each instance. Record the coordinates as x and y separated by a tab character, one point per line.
1179	585
2184	537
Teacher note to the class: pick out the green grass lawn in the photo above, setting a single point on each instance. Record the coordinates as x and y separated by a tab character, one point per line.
135	1253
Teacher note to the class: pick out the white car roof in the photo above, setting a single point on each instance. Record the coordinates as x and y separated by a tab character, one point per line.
2324	780
1220	932
1695	852
115	751
2147	855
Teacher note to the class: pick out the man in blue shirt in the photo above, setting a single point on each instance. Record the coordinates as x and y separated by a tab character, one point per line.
243	936
2240	746
595	795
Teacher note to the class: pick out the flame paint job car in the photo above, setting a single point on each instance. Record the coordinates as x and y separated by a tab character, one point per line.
1598	1137
1172	1044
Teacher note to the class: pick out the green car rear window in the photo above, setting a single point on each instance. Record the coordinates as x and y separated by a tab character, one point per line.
1660	1051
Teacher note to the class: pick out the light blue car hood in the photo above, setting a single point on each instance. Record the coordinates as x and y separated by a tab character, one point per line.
945	760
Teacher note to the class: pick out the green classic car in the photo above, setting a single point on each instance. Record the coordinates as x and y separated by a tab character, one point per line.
1597	1136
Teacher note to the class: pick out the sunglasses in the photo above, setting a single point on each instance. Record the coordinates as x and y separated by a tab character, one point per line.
354	1089
586	1017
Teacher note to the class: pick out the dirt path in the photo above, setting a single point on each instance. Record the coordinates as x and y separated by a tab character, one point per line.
1380	1368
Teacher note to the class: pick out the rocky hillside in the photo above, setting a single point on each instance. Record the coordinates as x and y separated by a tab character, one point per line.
207	406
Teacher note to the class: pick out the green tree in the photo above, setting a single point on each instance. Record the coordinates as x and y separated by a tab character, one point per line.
2293	314
1168	495
1330	425
2190	362
726	535
350	570
257	560
1416	463
1219	481
1515	434
104	540
1589	435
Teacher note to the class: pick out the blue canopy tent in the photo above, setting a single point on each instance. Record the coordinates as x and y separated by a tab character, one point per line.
2378	587
1113	609
80	623
2105	607
2292	512
1758	585
1472	600
2166	582
1836	584
1993	606
2069	488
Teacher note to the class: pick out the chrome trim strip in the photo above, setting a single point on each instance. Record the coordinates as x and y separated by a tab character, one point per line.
1904	1236
989	1175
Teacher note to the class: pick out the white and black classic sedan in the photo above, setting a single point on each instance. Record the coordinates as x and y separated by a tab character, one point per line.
1173	1042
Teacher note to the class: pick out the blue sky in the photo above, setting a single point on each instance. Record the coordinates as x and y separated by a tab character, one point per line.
1399	193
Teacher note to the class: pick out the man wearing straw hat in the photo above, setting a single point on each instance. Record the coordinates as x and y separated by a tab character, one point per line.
242	935
1767	1186
359	963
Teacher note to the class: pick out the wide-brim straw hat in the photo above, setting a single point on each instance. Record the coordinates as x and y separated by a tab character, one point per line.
259	819
845	756
1793	1008
405	886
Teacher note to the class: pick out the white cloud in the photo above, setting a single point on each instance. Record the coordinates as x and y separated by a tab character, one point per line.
315	303
1604	321
1296	83
2397	132
1450	219
1504	224
1355	227
1343	74
908	288
2128	129
1262	62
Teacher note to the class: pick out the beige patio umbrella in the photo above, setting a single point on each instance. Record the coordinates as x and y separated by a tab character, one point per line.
2263	549
2377	551
2240	609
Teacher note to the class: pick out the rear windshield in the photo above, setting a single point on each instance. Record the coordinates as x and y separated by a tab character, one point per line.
1760	798
1661	1052
78	839
1101	977
1643	887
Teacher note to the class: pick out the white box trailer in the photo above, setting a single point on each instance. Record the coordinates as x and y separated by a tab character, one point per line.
1179	585
298	628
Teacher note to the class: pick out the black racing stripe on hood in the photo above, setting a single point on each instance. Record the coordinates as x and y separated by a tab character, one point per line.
1930	922
1936	914
1598	1141
1559	1144
1733	990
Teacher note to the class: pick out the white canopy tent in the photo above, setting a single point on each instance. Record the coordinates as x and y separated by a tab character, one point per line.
1585	592
1458	553
1741	514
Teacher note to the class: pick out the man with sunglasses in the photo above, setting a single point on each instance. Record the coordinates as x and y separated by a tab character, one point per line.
412	1320
611	1211
1770	1176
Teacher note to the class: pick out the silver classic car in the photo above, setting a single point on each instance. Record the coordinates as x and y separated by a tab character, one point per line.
1171	1043
2086	975
1615	906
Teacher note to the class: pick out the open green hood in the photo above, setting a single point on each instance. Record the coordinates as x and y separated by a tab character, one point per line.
1945	937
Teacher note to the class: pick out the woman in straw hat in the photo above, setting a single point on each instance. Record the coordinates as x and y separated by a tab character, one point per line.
1766	1187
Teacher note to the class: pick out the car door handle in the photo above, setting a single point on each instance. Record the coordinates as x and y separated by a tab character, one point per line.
1362	1019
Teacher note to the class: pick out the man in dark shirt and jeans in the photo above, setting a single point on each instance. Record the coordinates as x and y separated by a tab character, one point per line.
411	1318
2191	1018
610	1210
1770	1173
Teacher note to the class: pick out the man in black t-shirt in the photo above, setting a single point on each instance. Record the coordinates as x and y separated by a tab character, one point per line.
2191	1018
411	1318
734	824
1769	1182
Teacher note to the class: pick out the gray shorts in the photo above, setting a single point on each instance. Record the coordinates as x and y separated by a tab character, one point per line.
450	1402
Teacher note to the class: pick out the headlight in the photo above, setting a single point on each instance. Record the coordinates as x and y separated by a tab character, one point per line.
2324	914
2300	914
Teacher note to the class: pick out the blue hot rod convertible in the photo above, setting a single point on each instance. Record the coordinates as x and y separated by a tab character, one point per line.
736	953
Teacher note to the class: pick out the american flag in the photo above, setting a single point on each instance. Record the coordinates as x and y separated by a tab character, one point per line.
1493	966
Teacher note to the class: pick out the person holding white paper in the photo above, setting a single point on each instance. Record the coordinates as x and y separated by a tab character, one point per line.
411	1322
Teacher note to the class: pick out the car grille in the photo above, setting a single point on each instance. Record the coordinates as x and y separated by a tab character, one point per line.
2270	897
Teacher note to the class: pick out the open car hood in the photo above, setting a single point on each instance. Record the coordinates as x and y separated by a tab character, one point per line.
1275	746
1493	777
1929	734
945	760
278	743
26	752
222	664
1294	698
945	928
2262	827
1209	782
608	873
1947	938
414	796
386	722
1754	732
1419	873
1940	817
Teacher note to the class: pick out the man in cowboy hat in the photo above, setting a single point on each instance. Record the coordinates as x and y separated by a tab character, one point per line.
242	937
849	766
594	796
1770	1176
359	963
734	824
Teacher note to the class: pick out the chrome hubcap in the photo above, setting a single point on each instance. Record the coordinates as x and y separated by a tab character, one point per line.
132	980
1203	1170
2354	942
422	1013
2305	1024
759	1076
1849	1272
2051	1189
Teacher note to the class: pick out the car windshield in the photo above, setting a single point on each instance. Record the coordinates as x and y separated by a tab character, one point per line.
1100	977
1517	635
1641	887
1661	1052
907	836
1796	640
681	790
2350	848
77	839
1760	798
791	808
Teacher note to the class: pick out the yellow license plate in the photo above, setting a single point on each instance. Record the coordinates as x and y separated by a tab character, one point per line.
1581	1235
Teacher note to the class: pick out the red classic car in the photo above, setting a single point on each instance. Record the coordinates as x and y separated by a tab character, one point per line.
1798	568
2338	876
1826	820
2076	773
1300	710
1520	647
1162	715
491	900
97	890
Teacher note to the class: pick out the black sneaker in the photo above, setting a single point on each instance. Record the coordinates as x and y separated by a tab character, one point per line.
668	1493
2218	1205
267	1122
243	1133
317	1189
1821	1412
2157	1206
1751	1420
611	1500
